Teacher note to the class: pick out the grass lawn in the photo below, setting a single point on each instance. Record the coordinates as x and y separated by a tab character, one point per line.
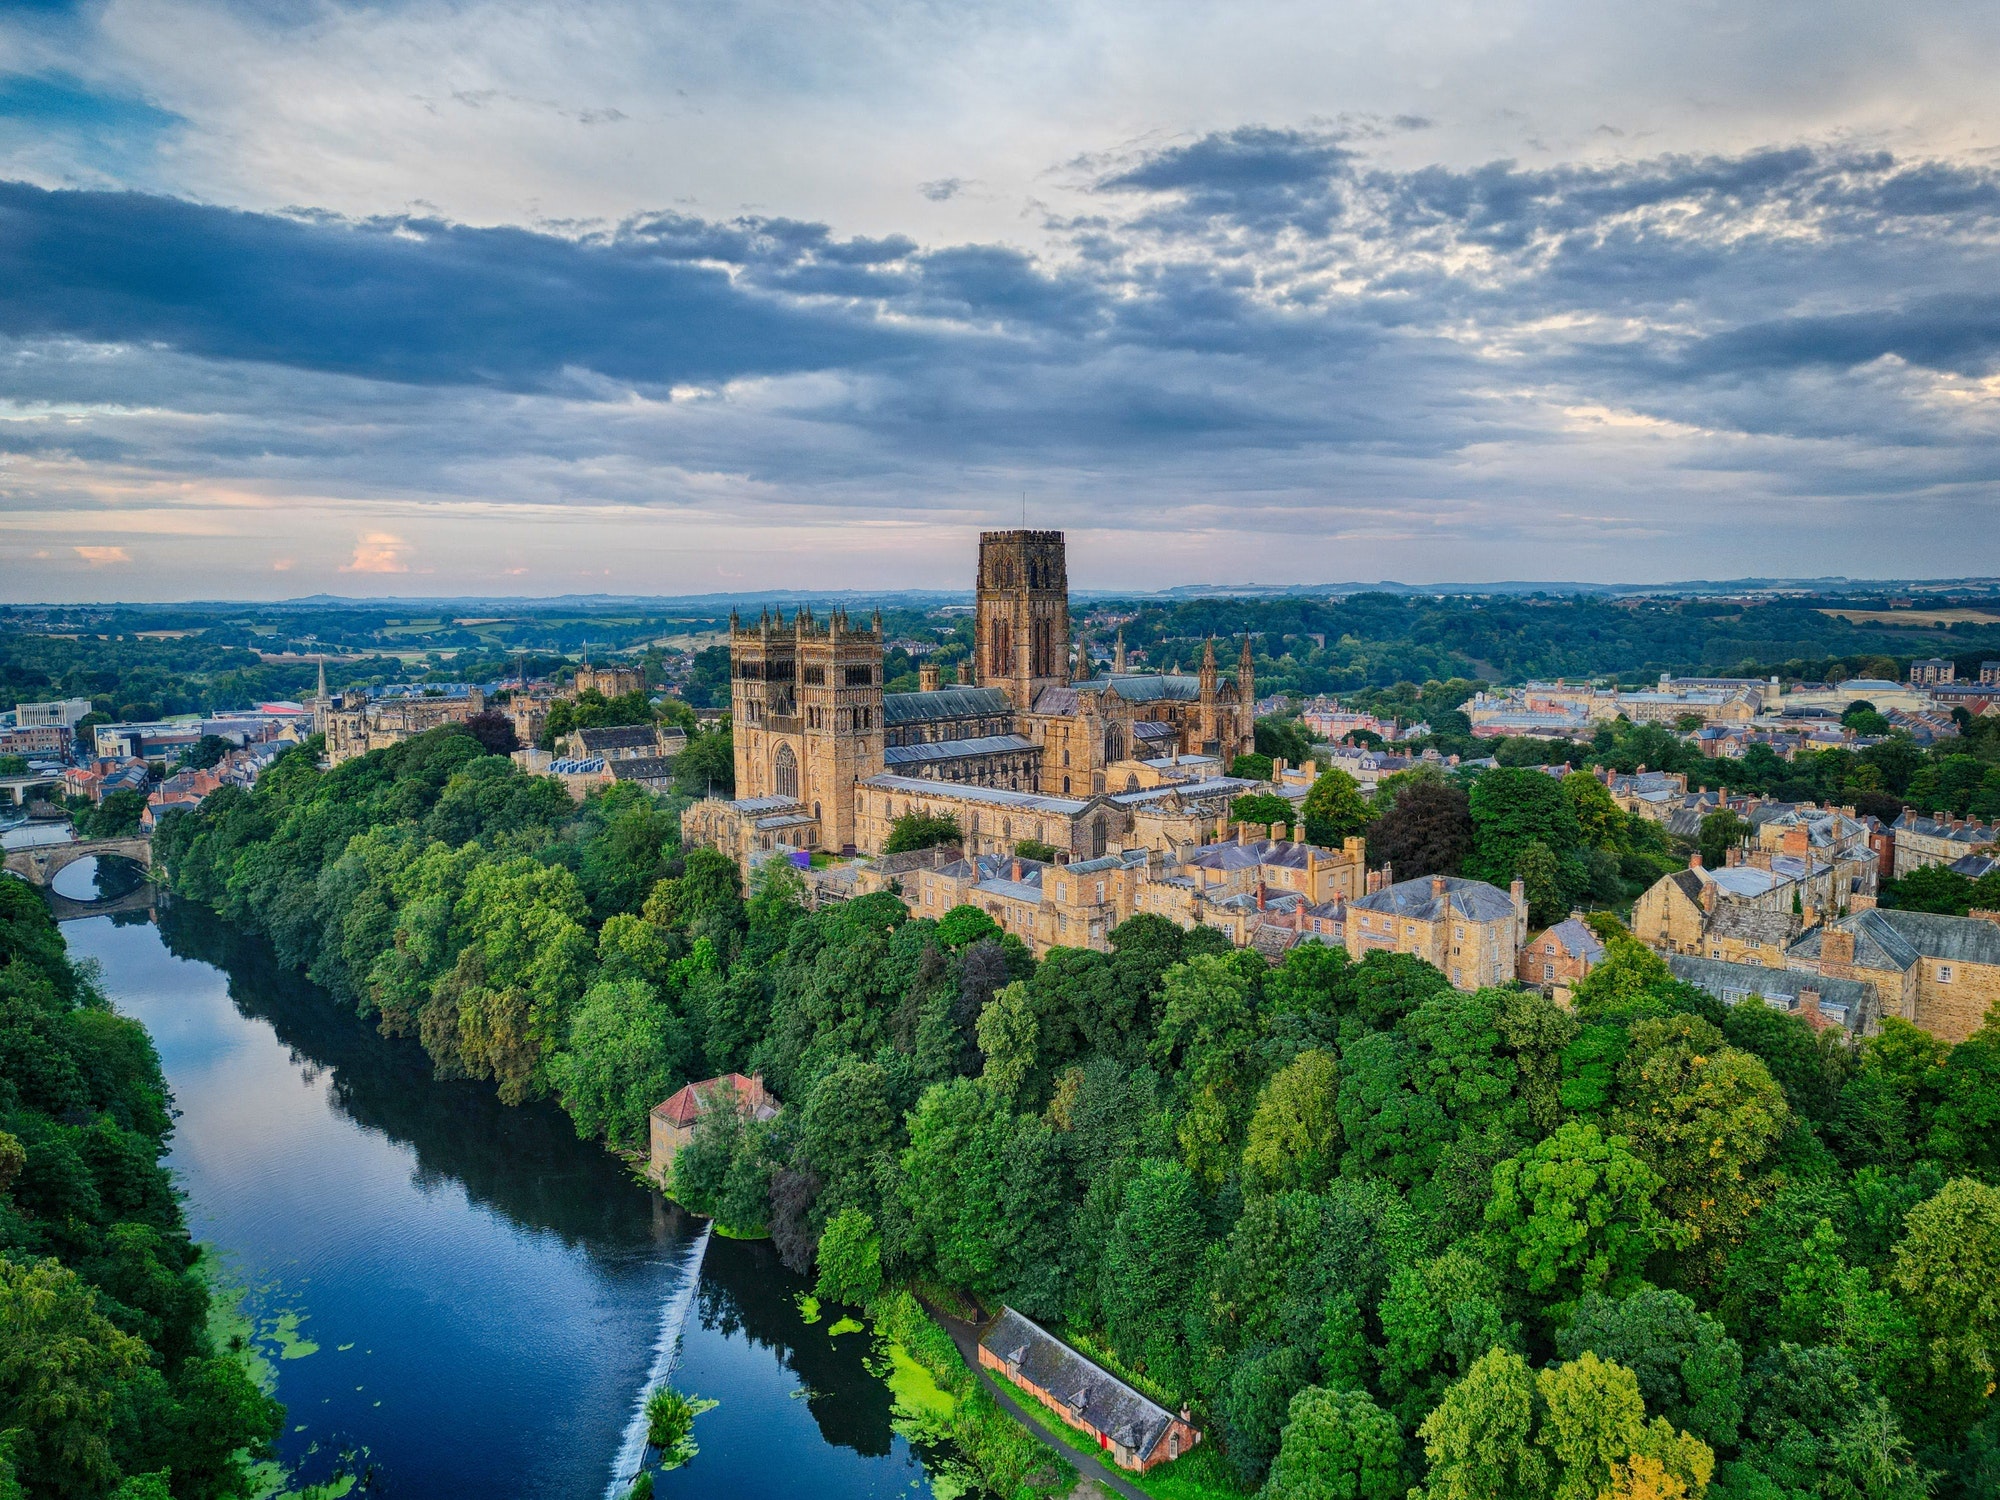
1197	1475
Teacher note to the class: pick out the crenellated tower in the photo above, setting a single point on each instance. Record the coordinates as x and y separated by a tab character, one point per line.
1021	630
806	698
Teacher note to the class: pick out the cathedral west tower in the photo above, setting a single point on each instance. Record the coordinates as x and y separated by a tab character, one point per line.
1021	628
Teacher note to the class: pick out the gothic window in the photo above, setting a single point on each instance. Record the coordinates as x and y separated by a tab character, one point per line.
1097	837
785	772
1114	743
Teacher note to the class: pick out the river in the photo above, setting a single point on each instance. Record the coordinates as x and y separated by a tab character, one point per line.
460	1298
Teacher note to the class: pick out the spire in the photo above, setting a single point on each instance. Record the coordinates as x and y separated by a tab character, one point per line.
321	695
1118	653
1246	674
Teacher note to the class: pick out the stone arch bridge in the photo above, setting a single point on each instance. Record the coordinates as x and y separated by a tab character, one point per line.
40	864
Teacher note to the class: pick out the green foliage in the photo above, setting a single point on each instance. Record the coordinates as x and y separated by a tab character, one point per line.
706	766
1035	849
1721	831
1294	1135
1253	767
1423	824
1688	1369
107	1374
116	817
1334	809
1513	809
1575	1214
1264	809
850	1259
1337	1445
917	830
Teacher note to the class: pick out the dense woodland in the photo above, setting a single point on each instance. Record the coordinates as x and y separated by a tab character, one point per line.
1377	1233
110	1381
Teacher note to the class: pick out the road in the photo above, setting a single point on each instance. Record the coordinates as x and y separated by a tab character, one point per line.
966	1336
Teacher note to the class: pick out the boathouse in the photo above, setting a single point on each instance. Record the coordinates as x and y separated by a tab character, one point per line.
1136	1432
673	1119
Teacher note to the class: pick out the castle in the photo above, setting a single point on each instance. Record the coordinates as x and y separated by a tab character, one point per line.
825	759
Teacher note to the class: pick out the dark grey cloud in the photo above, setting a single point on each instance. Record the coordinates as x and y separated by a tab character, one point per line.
1257	312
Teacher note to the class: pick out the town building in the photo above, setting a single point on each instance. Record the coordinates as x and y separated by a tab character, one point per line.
1940	973
1932	671
359	723
1851	1004
64	713
671	1123
1133	1429
1924	839
1471	931
611	682
1555	960
36	739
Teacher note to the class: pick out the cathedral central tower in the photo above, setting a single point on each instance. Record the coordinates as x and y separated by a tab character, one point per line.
1021	628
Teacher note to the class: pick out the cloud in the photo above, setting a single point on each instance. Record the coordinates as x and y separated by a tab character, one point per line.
942	189
283	564
379	552
100	557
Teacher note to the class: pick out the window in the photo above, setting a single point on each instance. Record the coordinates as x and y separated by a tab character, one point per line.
1548	971
1944	973
1458	934
1454	974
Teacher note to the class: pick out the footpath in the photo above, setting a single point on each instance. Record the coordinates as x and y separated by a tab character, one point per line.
1092	1468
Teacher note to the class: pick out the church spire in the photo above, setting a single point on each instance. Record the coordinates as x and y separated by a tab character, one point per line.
1118	653
1246	675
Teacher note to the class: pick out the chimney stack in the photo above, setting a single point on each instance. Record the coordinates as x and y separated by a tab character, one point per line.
1809	1008
1836	946
1519	892
1260	895
1694	860
1437	885
1242	833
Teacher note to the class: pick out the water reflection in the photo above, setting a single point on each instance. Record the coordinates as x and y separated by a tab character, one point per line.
463	1293
97	877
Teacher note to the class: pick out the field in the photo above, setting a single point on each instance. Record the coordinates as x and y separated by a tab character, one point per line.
1913	619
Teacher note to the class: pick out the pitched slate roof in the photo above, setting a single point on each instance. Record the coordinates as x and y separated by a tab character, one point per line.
1965	940
1416	898
1576	938
995	795
1940	828
622	737
1851	1002
944	703
936	750
1096	1395
1878	944
1754	924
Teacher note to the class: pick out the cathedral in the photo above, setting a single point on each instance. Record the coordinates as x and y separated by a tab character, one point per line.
824	756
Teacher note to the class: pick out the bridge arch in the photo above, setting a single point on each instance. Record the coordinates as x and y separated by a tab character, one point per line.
43	862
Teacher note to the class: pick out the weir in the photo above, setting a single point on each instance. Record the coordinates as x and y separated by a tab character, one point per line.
666	1349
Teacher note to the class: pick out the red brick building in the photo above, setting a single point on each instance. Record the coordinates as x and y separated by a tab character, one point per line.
1133	1430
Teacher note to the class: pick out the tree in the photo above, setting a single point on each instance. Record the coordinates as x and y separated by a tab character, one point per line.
1689	1370
1948	1267
1595	1421
1294	1137
1252	768
706	766
494	731
1426	828
1629	974
1334	809
1598	817
1438	1317
1574	1213
1263	809
1704	1116
850	1259
916	830
63	1366
1932	888
1007	1034
1480	1438
1511	809
1337	1445
1255	1404
1151	1261
1721	831
1540	874
626	1051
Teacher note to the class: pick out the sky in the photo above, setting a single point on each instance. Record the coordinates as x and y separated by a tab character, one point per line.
393	297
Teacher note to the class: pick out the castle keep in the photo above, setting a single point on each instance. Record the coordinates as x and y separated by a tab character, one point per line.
822	753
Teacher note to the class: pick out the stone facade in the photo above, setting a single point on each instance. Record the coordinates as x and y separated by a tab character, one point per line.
1923	840
813	725
359	724
612	682
1940	973
671	1123
1555	960
1471	931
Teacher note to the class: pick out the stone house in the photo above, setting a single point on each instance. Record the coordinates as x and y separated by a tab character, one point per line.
1852	1004
1922	839
1554	960
1134	1431
671	1124
1471	931
1940	973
